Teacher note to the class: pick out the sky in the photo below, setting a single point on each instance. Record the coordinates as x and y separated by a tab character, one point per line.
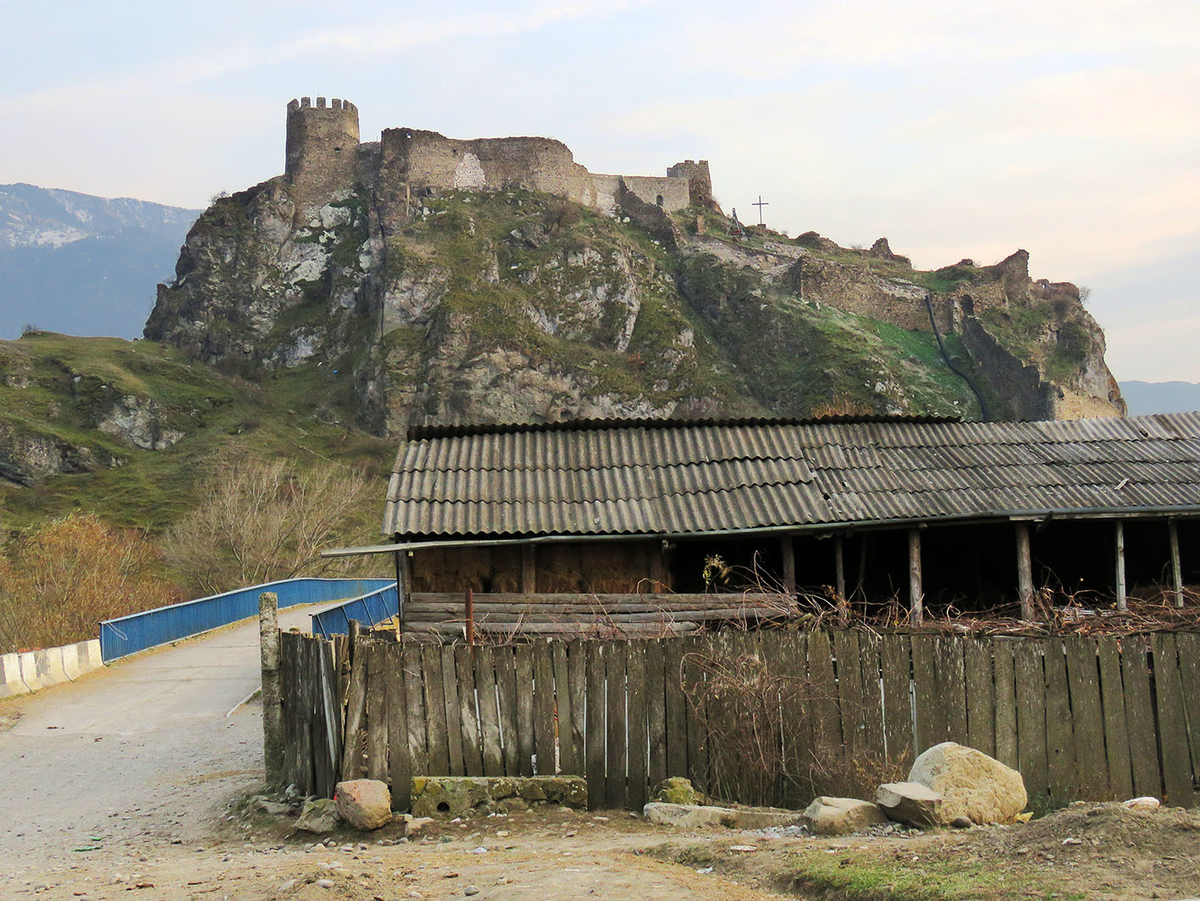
969	129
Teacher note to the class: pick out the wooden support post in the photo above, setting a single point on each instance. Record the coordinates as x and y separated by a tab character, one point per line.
1176	565
839	575
916	598
528	569
1122	602
788	552
470	615
400	594
268	641
1024	572
658	568
862	565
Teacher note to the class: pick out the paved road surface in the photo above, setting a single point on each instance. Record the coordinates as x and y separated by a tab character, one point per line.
143	747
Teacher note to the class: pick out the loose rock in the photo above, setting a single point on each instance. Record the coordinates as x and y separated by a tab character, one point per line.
841	816
364	803
971	783
319	816
676	790
910	802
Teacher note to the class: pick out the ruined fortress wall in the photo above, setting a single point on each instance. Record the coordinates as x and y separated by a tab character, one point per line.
699	180
669	193
322	147
859	291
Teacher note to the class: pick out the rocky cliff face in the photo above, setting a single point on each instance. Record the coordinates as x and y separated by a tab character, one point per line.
510	305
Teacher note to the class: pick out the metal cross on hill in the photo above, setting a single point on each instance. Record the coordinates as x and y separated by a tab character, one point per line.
761	203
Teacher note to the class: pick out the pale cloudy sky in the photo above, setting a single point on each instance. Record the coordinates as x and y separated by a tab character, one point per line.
1071	129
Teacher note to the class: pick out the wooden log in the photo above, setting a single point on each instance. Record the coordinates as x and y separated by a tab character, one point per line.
1060	733
1122	600
377	721
400	770
1087	717
510	614
1024	571
1116	721
638	737
916	597
484	666
272	703
506	684
608	602
897	698
1176	565
523	659
598	630
656	713
544	744
1031	717
617	756
839	566
597	728
1003	680
1139	712
454	722
1172	723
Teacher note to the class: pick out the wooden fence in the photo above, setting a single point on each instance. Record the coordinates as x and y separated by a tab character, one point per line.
762	717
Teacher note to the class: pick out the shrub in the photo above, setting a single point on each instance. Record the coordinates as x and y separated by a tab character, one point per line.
66	576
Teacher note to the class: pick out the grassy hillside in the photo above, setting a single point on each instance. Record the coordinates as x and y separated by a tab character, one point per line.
56	390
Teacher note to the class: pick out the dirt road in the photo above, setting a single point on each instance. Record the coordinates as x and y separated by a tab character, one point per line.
146	746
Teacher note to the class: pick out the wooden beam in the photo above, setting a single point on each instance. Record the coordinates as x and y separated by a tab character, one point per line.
1024	571
916	598
529	568
1122	601
839	565
788	552
1176	565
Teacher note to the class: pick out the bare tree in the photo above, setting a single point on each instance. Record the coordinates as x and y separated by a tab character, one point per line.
262	521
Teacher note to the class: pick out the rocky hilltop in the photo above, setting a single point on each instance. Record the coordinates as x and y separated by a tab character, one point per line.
433	280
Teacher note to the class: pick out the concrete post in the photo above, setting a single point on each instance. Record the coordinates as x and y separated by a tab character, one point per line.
268	640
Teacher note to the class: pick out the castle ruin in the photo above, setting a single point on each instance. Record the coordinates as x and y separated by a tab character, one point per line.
324	155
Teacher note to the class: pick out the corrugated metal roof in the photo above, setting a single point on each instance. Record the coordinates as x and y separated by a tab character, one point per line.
670	477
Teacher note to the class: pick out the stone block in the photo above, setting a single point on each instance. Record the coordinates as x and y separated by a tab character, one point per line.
841	816
698	816
910	802
464	796
319	816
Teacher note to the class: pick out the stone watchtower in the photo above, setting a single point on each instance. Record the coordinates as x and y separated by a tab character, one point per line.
322	145
699	181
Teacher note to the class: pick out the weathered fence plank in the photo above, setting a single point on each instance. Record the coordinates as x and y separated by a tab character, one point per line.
638	741
617	757
377	722
490	731
544	744
562	709
414	702
656	714
827	725
399	761
796	721
953	682
1060	735
464	669
506	686
454	723
980	696
435	709
1116	728
596	729
1004	681
676	709
356	711
1139	712
872	694
1087	717
1172	723
523	660
848	671
577	689
897	698
1189	672
697	724
1031	718
931	714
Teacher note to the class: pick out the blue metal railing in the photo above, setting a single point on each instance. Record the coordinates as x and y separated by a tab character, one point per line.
138	631
368	610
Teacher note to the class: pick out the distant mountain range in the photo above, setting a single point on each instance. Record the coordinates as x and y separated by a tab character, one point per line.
83	265
1160	397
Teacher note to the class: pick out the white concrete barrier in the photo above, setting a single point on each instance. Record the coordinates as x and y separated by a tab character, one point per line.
31	670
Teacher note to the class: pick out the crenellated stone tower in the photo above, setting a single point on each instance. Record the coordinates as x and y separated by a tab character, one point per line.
322	144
